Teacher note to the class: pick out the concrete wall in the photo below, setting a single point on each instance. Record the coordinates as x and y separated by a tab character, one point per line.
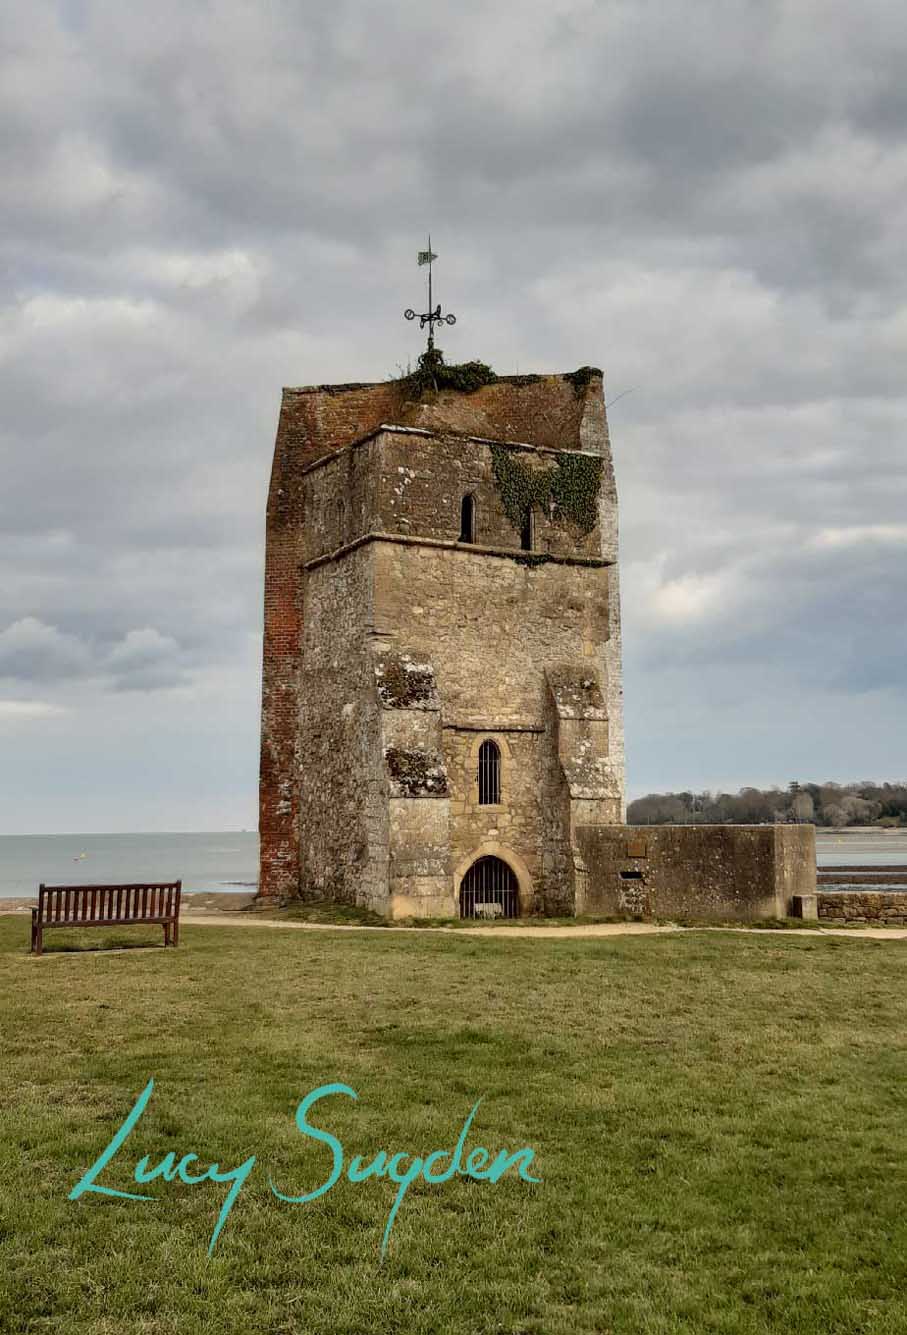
880	907
716	872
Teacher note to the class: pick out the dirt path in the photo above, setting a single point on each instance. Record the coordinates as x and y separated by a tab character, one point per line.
208	913
593	929
530	933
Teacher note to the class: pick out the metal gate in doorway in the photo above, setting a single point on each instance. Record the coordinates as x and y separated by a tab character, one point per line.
489	890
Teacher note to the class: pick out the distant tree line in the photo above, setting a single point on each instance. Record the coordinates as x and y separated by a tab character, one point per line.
832	804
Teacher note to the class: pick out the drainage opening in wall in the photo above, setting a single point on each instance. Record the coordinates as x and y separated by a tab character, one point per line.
631	876
489	890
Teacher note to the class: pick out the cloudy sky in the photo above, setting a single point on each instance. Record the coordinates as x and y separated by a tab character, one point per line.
205	202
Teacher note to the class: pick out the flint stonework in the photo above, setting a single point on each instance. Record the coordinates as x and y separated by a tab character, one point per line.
393	650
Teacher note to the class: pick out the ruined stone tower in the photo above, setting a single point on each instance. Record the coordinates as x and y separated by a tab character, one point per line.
442	669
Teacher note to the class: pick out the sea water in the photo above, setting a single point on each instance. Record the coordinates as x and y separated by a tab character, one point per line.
861	847
213	862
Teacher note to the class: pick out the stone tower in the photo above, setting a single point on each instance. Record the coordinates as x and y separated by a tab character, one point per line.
442	705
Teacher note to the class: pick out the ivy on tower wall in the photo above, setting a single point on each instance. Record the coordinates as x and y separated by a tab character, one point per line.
570	489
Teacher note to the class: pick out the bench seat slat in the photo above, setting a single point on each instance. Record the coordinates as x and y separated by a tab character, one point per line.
156	903
162	917
131	885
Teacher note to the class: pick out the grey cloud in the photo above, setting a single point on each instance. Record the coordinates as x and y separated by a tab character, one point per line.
143	660
33	651
708	201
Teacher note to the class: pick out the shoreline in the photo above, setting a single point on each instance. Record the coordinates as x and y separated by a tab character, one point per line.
197	902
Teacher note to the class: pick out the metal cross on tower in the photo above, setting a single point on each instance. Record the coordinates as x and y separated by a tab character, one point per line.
433	315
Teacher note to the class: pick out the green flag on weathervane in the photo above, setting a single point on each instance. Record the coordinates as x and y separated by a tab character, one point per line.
426	257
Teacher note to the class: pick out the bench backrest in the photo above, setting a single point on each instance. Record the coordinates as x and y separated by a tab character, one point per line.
109	903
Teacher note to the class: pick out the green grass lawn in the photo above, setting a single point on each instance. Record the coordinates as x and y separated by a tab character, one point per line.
719	1122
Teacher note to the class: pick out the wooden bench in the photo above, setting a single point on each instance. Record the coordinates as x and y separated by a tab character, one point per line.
107	906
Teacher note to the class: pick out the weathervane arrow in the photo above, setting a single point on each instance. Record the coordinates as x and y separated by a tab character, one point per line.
433	315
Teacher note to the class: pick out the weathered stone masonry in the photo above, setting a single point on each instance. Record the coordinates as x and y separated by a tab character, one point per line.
392	649
878	907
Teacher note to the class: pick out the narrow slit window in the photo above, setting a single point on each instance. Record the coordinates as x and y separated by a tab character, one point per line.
527	532
489	774
468	519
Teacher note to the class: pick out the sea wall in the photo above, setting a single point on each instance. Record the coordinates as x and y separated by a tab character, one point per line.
880	907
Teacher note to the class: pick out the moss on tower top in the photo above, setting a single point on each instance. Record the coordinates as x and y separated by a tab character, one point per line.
434	373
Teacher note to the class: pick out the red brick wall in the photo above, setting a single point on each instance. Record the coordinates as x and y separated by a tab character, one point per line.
313	422
534	410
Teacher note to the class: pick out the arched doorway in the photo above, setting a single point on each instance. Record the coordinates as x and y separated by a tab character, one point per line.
489	890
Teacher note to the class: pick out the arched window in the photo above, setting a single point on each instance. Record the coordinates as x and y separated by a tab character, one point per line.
527	532
489	774
468	518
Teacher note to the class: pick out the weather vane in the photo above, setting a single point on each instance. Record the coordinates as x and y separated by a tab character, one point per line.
433	315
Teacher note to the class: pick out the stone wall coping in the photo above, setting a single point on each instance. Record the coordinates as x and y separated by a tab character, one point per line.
520	380
471	548
387	428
